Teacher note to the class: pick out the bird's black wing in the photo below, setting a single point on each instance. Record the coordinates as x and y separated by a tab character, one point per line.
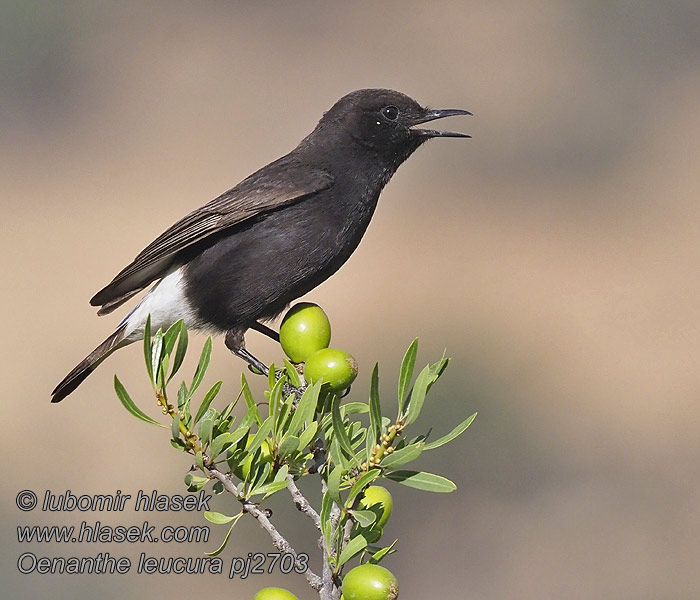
281	183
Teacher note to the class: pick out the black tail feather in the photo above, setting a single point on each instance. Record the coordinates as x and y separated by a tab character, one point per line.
88	365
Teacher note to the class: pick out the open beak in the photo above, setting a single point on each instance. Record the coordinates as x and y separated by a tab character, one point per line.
432	115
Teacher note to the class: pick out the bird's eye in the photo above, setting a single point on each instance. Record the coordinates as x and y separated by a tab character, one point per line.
390	112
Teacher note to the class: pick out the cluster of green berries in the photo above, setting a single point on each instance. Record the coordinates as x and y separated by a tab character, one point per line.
305	334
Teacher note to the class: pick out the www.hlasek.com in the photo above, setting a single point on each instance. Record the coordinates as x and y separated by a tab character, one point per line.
98	532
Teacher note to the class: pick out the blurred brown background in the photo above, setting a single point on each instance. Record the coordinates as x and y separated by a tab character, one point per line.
556	256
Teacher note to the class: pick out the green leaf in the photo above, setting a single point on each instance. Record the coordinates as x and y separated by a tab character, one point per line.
156	354
170	337
406	373
211	394
289	445
326	507
422	481
417	397
361	483
180	352
364	517
175	427
339	431
202	366
355	545
377	556
249	400
220	549
402	456
206	426
306	408
128	403
334	484
375	412
452	435
183	405
261	435
223	442
275	399
308	436
148	355
217	518
271	376
292	374
269	488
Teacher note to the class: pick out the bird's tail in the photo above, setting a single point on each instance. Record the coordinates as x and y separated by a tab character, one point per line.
89	364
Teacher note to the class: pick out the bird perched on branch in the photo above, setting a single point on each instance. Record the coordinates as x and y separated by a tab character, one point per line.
244	256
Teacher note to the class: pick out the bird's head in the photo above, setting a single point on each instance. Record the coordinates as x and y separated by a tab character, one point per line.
385	121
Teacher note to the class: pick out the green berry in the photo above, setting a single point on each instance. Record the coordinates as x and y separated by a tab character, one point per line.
370	582
304	330
378	496
274	593
338	369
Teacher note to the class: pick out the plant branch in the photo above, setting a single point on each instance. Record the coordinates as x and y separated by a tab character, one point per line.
277	539
302	503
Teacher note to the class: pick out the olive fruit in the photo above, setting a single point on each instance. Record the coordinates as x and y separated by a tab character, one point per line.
370	582
376	495
304	329
243	470
274	593
338	369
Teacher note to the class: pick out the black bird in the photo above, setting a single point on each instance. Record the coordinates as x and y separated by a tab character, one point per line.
244	256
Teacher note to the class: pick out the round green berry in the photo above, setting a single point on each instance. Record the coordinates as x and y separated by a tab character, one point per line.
274	593
336	368
304	330
380	497
370	582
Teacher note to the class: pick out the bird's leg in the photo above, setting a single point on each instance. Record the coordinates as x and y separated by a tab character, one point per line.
235	342
264	329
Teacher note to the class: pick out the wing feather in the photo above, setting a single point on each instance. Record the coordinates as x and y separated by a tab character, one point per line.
280	184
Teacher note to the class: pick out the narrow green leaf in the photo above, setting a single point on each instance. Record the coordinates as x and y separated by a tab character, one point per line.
275	399
175	427
306	408
375	411
452	435
406	373
148	355
417	396
308	436
339	431
128	403
202	366
223	442
217	518
364	517
260	436
220	549
334	485
210	395
377	556
422	480
361	483
355	545
271	376
180	352
249	400
292	374
326	507
170	337
402	456
269	488
157	354
288	446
